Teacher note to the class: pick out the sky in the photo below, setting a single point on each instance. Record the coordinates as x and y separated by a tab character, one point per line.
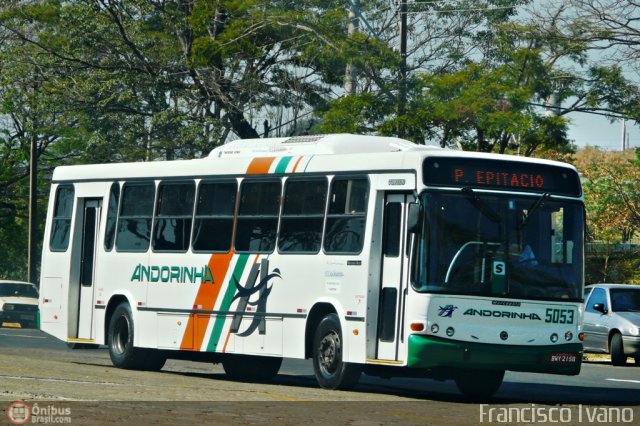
594	130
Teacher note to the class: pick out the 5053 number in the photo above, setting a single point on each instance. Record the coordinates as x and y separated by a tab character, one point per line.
559	316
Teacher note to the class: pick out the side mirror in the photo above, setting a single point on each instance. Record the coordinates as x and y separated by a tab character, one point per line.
600	308
414	218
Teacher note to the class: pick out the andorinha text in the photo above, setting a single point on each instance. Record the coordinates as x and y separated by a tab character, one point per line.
171	274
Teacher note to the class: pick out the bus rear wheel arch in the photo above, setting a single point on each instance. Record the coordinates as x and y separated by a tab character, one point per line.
329	367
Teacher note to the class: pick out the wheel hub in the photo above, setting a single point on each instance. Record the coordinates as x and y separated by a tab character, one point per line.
329	353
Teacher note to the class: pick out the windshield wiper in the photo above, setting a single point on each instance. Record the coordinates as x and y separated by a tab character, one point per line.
480	205
531	210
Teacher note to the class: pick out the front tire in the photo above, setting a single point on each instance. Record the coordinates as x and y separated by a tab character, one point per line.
330	370
120	339
479	384
618	358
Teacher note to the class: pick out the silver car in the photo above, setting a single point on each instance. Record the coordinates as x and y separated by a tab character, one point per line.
18	304
612	321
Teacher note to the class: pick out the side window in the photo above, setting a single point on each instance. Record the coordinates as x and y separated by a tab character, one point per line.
112	215
214	216
302	216
61	224
598	295
174	213
258	216
136	211
346	215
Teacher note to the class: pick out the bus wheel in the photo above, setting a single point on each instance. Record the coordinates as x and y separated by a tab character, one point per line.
331	372
120	339
247	367
479	383
618	358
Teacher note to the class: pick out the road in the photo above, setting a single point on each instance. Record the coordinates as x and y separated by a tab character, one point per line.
37	367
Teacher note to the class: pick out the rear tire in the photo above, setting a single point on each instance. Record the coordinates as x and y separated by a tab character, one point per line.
618	358
479	384
251	368
120	339
330	370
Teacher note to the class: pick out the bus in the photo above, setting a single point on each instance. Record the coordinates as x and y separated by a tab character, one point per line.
365	254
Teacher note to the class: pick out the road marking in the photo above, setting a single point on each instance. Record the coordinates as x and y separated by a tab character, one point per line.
23	335
623	380
52	379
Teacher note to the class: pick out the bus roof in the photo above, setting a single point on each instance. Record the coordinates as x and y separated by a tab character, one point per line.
320	154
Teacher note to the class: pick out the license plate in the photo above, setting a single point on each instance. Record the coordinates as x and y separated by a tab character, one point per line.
11	324
563	357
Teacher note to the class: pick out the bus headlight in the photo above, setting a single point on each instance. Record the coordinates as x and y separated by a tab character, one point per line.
450	331
554	338
568	336
435	328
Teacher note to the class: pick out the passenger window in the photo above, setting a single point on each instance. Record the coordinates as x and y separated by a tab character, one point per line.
346	216
302	216
136	211
598	295
61	224
258	216
174	213
213	225
112	215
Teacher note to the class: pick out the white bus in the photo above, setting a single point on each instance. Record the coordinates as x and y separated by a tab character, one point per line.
367	254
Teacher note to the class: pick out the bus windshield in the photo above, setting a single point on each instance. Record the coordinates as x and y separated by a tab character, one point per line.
500	245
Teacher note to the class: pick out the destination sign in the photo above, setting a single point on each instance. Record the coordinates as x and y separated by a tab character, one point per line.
498	174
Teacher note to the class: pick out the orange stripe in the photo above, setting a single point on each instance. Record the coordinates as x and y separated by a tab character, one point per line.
260	165
207	296
296	165
226	341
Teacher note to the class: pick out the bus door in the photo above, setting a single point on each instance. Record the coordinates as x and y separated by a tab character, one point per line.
90	227
393	277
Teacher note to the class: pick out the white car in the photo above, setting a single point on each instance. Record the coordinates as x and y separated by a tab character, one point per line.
18	304
612	321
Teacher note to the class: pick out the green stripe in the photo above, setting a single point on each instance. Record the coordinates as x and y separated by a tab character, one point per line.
282	165
226	302
307	165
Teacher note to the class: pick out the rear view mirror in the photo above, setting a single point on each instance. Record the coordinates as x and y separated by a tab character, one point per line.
600	308
414	218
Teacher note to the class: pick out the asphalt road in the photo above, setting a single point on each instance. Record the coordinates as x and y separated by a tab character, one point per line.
37	367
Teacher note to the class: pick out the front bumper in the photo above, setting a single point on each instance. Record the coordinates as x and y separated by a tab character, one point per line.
631	345
432	352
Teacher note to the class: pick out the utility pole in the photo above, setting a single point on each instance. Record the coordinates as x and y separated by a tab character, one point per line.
354	24
624	135
33	206
402	77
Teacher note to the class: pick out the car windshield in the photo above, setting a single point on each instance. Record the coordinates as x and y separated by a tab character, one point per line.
500	245
18	290
625	299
